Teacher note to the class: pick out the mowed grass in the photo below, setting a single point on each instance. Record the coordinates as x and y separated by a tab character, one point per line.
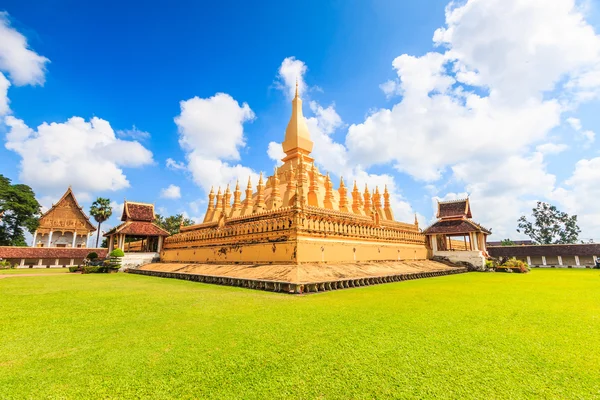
476	336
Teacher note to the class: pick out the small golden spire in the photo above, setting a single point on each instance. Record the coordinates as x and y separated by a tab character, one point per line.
249	183
342	182
260	180
296	96
237	185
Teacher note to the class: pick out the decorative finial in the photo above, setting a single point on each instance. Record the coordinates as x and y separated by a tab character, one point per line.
342	181
249	182
212	189
237	184
296	87
260	180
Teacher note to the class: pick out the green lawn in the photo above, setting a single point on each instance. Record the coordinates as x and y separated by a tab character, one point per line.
475	335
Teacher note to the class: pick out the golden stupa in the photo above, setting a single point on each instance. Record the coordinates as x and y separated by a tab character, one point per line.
296	216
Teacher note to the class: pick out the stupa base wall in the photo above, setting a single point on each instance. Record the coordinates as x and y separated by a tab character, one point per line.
300	250
331	250
266	252
301	278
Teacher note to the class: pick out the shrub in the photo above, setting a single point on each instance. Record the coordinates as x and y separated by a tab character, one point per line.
92	256
117	253
94	270
5	264
514	265
76	268
490	264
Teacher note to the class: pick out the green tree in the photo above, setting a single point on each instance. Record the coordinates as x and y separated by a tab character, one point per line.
171	224
19	211
550	226
507	242
101	211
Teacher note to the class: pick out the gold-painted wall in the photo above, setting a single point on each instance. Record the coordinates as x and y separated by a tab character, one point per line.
301	251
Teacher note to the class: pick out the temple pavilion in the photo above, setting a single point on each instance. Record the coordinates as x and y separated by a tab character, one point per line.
65	224
139	227
455	231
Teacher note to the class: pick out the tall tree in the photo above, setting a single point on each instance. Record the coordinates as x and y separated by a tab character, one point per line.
19	210
171	224
507	242
550	226
101	211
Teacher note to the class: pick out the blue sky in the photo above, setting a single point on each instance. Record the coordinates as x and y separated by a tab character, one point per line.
376	90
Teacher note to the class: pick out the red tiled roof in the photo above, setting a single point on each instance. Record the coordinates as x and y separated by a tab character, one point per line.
138	228
456	208
138	212
455	226
49	252
592	249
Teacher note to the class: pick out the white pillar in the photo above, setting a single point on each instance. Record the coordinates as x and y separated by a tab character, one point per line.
56	262
577	261
544	260
160	242
22	264
74	238
434	242
34	237
111	243
560	260
49	239
528	260
595	259
39	262
475	241
71	262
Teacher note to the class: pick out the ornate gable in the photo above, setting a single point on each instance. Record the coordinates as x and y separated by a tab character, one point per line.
66	216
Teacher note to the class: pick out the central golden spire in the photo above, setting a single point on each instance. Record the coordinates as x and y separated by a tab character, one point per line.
297	137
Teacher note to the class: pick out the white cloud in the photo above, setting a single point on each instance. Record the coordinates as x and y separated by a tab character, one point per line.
211	132
86	155
390	88
551	148
482	108
4	85
275	152
579	195
175	165
171	192
290	72
24	66
133	133
575	123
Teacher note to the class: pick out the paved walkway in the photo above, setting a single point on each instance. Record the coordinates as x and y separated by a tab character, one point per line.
18	275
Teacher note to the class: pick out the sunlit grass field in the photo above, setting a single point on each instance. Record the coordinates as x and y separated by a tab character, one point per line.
475	336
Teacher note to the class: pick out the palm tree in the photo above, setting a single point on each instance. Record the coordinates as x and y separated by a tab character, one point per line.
101	211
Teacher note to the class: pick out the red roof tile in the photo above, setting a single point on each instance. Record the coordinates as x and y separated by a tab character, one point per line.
48	252
139	228
455	227
456	208
138	212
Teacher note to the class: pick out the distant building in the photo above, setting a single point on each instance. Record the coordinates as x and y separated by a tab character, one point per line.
60	240
551	255
63	225
516	243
